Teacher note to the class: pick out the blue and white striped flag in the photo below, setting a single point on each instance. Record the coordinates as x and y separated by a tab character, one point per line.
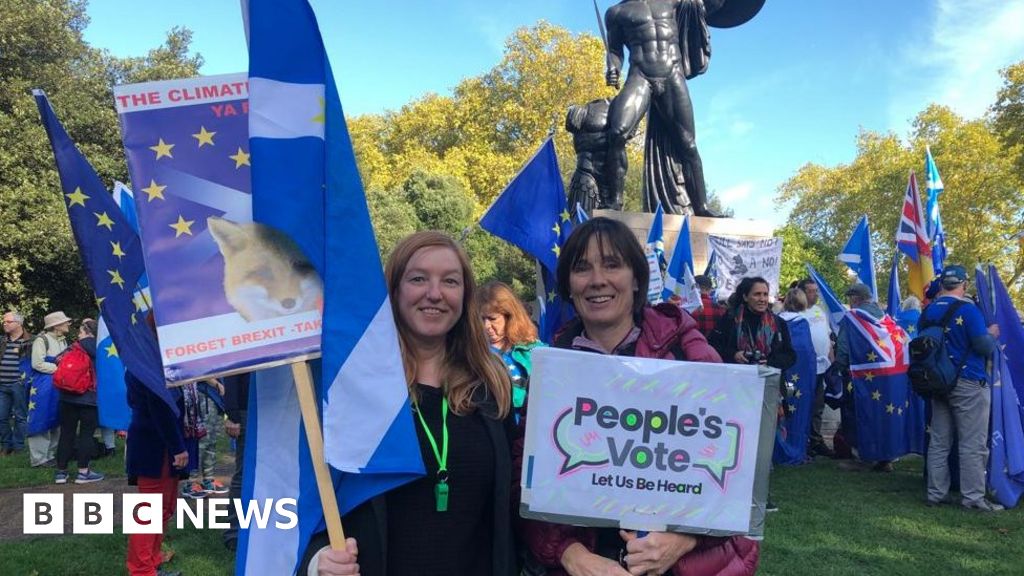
679	281
581	214
296	125
656	236
934	187
836	309
857	255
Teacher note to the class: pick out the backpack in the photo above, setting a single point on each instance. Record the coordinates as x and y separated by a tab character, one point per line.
932	372
75	373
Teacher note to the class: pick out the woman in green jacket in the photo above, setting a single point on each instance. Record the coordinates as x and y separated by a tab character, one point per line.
512	336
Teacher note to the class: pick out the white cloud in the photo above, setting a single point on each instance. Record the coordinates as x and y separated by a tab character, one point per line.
736	193
958	65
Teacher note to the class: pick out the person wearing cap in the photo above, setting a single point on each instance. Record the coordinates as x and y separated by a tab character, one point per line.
964	413
858	296
43	399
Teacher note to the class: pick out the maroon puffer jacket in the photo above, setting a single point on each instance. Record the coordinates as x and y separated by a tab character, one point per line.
665	328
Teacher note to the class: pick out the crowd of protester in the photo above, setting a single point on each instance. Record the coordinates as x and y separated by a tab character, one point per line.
466	352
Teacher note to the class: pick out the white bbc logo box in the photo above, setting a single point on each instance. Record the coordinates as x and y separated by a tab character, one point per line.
92	514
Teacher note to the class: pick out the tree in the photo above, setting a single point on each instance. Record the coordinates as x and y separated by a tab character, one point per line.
981	206
1008	113
491	124
41	46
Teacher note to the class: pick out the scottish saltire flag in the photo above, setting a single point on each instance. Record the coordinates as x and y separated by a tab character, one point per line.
679	280
890	417
934	187
278	464
656	236
835	307
111	255
111	390
531	214
710	270
858	256
795	426
581	214
912	240
1006	440
304	176
892	299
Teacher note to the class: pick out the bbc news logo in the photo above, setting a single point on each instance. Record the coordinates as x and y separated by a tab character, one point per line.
143	513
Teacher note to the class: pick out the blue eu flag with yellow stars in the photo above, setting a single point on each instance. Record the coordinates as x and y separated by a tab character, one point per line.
531	214
801	378
111	255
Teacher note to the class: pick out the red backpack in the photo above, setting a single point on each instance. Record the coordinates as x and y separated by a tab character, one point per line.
75	373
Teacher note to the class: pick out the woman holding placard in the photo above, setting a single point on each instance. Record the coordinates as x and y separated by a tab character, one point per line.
511	334
603	272
457	519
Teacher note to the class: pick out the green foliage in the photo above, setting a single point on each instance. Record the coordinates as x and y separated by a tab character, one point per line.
982	207
799	249
491	124
440	202
1008	113
41	46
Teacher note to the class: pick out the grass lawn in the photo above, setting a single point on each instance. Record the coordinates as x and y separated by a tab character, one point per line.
831	522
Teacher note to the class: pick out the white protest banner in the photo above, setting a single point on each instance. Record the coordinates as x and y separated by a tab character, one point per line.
739	258
648	444
656	283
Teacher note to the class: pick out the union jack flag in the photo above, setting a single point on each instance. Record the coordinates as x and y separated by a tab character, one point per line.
889	416
912	234
886	341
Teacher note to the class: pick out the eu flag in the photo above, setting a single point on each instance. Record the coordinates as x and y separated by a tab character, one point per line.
890	417
531	214
111	254
1006	440
795	426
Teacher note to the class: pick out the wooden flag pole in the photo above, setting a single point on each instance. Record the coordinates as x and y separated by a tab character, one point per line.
311	420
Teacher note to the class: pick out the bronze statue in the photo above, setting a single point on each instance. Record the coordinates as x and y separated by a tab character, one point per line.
669	43
589	187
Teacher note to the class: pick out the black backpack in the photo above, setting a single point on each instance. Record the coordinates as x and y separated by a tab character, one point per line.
932	373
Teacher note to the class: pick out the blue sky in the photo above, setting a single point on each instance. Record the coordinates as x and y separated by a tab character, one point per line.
792	86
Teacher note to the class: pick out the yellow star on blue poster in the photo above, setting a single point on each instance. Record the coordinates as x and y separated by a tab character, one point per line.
241	158
162	149
204	136
182	226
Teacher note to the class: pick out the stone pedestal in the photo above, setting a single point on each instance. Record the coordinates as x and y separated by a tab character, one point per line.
640	223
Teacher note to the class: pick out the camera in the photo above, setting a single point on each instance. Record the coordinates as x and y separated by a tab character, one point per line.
753	356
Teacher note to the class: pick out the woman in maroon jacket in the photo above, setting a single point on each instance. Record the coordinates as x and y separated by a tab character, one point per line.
603	271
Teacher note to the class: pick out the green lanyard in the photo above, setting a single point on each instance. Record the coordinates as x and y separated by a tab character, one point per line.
441	488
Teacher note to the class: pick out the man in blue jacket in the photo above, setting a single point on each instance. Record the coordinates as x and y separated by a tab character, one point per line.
969	342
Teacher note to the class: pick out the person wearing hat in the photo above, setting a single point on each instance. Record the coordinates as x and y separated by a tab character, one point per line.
43	399
858	296
964	412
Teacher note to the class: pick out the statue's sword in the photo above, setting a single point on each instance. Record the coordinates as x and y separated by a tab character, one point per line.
604	38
